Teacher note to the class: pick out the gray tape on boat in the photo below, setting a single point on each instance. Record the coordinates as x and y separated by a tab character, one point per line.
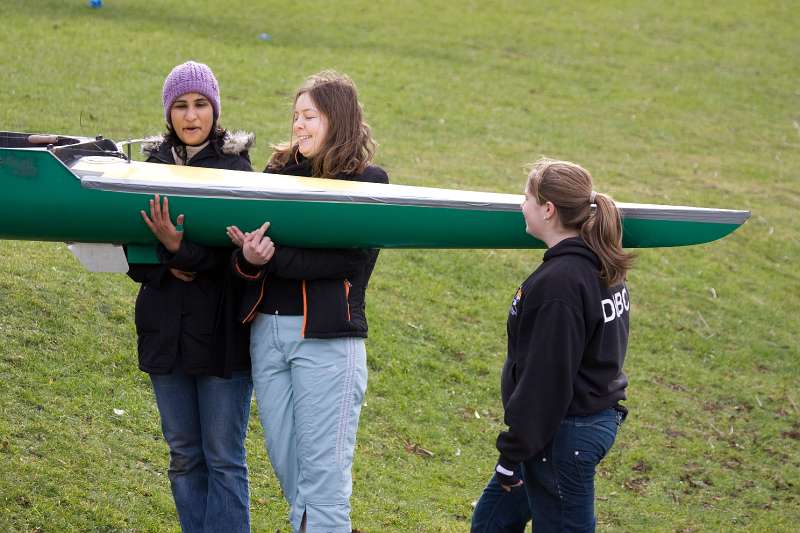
482	201
471	200
682	213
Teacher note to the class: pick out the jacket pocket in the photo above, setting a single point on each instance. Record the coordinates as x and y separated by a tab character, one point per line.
151	352
149	309
327	309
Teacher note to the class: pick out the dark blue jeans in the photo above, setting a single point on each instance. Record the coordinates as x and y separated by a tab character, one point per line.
558	490
204	420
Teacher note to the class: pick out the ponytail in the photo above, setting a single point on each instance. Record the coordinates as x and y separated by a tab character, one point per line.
569	187
602	232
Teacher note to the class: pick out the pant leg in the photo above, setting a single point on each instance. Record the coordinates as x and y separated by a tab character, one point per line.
273	388
499	511
329	379
176	397
224	412
541	487
560	481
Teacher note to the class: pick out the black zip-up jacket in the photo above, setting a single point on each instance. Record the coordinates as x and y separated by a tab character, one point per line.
567	338
192	323
333	281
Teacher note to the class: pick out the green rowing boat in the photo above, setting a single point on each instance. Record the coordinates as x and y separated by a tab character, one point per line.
86	190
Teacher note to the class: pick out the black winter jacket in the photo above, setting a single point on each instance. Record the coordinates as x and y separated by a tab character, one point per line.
193	323
567	338
334	281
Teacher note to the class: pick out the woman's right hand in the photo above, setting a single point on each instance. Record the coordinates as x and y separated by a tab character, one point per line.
257	248
235	235
161	225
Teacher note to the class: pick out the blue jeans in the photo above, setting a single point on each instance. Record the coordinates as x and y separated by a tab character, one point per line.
204	421
309	394
558	490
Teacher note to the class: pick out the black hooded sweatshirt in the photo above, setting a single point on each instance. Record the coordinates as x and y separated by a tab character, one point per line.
567	337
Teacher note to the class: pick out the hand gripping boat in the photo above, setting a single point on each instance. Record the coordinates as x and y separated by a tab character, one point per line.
81	190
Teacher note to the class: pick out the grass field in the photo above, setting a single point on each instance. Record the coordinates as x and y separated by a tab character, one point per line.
681	103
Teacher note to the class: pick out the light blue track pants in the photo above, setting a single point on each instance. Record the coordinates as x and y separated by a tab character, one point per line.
309	394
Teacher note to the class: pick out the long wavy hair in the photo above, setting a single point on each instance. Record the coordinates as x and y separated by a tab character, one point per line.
594	215
348	147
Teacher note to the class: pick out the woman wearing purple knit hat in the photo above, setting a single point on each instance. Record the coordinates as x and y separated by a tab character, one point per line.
195	351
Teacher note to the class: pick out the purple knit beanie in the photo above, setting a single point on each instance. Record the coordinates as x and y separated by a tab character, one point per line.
191	77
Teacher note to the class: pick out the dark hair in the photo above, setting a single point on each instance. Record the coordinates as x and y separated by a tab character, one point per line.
569	187
348	146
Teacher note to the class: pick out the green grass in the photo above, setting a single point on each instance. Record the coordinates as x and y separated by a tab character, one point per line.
680	103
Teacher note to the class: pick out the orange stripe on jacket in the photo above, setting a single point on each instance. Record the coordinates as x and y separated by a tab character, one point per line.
305	310
347	297
243	274
253	311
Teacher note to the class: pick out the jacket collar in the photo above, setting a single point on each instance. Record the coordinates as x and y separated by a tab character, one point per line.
300	167
233	143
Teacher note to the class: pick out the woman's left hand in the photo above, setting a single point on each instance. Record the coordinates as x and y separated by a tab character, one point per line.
508	479
258	249
161	225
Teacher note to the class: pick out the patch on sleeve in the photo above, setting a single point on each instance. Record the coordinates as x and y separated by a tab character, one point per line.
515	302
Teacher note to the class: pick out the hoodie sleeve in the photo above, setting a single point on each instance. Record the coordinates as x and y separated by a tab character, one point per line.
313	263
243	269
192	257
145	273
150	274
548	351
289	262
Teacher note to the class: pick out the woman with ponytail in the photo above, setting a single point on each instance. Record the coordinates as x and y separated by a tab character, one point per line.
562	380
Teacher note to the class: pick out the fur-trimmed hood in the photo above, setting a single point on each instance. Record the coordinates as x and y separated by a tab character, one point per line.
234	143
